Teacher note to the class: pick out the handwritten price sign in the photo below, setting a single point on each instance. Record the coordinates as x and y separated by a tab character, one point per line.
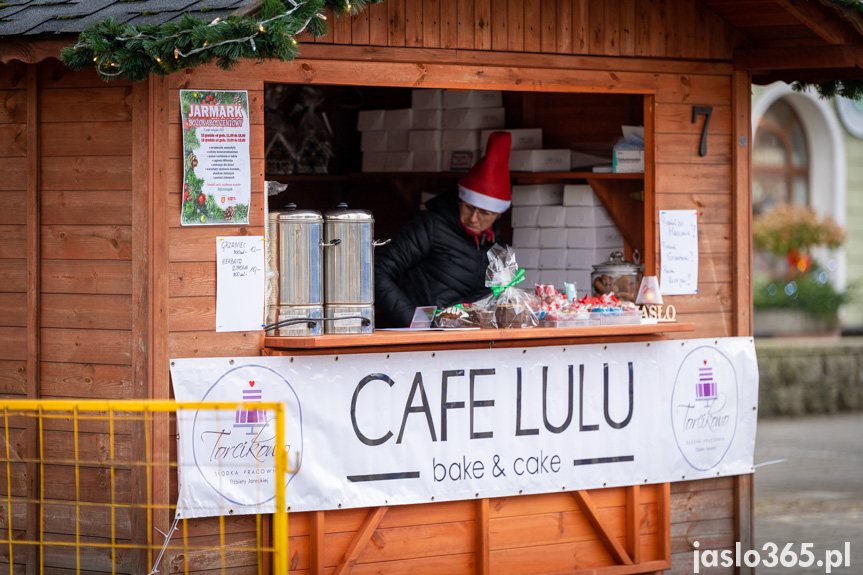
240	283
678	242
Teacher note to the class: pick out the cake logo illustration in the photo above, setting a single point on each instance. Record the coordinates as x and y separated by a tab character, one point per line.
704	407
234	450
252	419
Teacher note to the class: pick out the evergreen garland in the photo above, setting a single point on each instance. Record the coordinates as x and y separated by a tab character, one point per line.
135	52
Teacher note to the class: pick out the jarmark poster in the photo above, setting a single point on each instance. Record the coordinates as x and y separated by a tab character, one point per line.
216	171
401	428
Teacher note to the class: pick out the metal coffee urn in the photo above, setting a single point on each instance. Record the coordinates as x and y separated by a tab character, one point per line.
349	303
296	246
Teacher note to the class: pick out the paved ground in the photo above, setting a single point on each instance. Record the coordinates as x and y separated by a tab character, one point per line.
817	495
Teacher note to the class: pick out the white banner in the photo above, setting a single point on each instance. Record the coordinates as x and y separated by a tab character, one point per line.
413	427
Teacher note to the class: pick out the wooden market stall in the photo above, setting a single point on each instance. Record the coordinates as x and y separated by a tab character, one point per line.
100	285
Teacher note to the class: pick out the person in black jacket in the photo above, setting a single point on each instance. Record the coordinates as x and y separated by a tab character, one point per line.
439	257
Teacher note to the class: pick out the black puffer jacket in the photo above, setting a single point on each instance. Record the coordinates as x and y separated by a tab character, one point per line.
431	260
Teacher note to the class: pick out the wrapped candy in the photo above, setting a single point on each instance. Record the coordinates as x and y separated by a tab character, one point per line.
508	306
459	315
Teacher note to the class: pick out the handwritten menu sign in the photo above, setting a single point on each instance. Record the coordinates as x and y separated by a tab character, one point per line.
240	276
678	241
217	180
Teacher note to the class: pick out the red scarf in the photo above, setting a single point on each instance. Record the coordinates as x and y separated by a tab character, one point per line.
487	235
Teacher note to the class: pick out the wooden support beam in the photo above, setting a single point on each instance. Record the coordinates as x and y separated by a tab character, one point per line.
798	58
591	513
358	543
741	157
33	214
316	544
744	516
663	504
482	549
633	523
820	20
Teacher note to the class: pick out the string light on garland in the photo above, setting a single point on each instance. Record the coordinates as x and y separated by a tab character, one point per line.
135	52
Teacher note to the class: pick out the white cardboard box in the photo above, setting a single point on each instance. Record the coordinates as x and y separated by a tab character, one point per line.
472	99
373	141
552	259
587	217
473	118
399	161
531	278
554	277
579	195
581	279
539	161
397	140
370	120
428	119
628	162
585	259
537	195
552	237
604	237
523	139
460	140
374	161
551	217
424	141
525	237
458	160
427	161
526	217
527	257
399	119
427	99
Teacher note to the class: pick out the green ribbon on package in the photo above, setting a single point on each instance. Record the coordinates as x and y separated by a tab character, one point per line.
519	277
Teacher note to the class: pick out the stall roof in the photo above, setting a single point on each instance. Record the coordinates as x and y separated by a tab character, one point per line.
790	40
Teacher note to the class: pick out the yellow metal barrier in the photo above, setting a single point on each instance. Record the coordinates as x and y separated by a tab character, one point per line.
90	485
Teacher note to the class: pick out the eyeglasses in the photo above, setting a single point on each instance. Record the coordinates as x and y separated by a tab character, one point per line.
469	209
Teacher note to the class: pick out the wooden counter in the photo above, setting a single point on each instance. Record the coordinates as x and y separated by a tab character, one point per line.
468	339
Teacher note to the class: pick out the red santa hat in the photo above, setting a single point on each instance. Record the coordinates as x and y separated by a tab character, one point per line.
486	186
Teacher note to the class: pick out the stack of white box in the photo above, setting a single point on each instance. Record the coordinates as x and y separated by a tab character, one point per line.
439	132
559	233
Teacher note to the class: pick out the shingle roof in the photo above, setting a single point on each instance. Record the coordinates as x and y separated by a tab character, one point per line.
35	17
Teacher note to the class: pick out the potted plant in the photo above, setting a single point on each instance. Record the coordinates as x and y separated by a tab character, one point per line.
796	293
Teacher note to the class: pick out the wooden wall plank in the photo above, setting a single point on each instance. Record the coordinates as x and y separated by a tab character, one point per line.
193	314
13	106
13	275
14	208
683	148
86	276
611	28
656	14
677	119
197	245
378	24
580	27
515	25
86	173
396	11
112	347
532	25
13	242
13	140
86	242
13	377
86	139
13	309
75	207
672	29
465	24
329	36
208	344
499	23
688	31
482	25
102	104
702	31
642	27
85	381
449	25
627	27
431	24
13	343
548	25
342	27
76	311
414	23
188	279
563	31
596	27
14	171
360	27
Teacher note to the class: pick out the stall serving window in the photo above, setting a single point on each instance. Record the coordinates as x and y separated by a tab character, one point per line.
323	142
